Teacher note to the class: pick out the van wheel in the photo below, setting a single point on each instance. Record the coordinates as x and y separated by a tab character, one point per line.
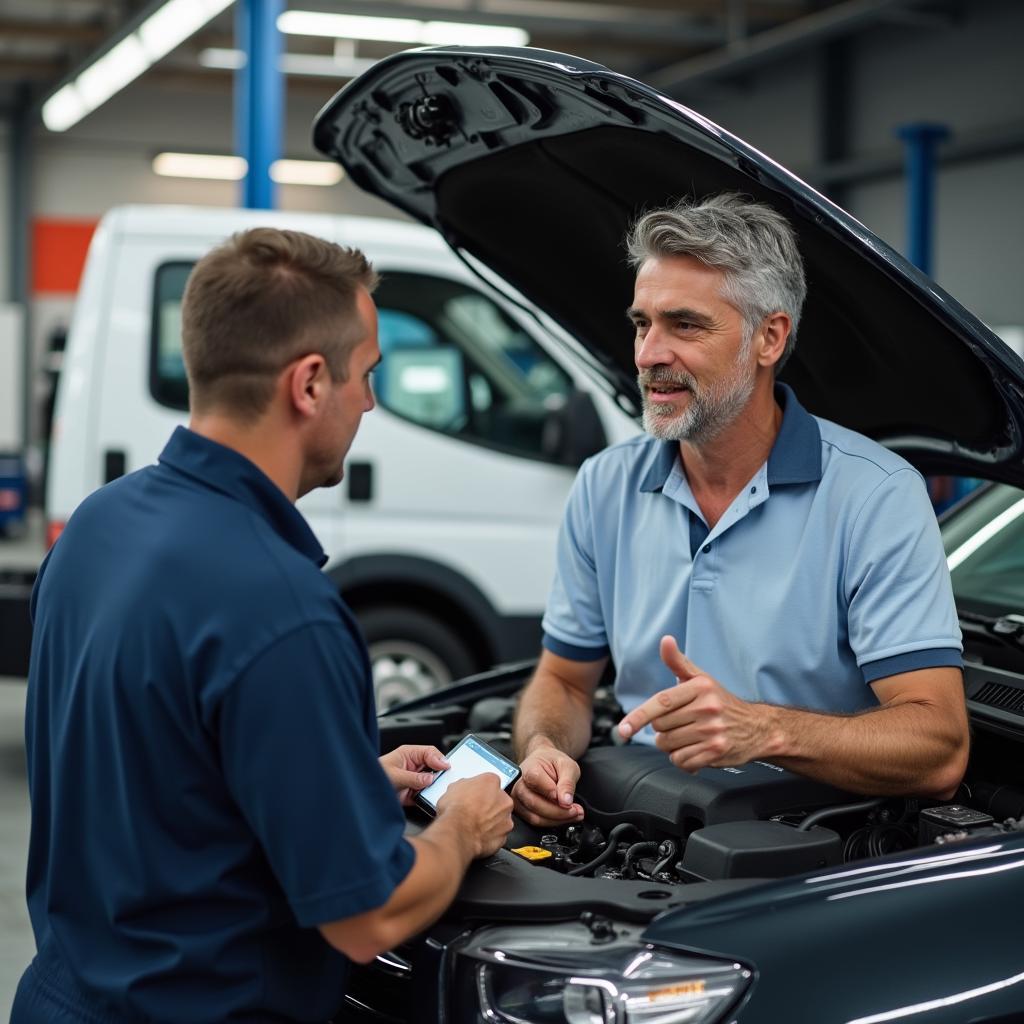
412	654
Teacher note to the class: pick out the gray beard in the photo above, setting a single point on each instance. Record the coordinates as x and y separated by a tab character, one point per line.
710	410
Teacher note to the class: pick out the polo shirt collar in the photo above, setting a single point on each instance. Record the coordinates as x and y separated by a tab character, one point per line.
795	457
222	469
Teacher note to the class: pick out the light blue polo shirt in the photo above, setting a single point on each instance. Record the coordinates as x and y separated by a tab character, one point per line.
825	573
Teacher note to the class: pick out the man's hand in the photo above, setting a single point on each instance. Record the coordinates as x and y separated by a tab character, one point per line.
698	722
484	811
412	767
544	793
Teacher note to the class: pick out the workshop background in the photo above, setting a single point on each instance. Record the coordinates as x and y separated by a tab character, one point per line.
846	93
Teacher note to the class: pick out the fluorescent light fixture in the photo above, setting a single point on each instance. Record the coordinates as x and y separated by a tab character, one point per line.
454	33
64	108
233	168
399	30
305	172
175	22
200	165
225	59
161	32
112	72
314	64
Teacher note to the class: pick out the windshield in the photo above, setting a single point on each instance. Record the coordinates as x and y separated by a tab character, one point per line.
984	541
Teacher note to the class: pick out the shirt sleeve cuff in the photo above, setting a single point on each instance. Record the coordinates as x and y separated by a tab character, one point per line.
365	893
936	657
572	651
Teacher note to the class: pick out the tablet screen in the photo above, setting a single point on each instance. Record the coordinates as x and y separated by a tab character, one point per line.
468	759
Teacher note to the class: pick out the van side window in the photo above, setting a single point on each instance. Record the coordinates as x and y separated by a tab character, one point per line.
454	362
167	379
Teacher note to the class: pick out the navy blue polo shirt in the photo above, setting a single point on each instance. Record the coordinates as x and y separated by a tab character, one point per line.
824	575
202	752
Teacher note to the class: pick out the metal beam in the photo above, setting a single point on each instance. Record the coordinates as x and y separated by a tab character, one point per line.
774	43
991	144
50	31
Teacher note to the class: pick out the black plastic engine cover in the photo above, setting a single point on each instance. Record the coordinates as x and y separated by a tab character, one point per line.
639	784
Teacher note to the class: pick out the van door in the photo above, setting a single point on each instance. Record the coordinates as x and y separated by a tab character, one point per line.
449	472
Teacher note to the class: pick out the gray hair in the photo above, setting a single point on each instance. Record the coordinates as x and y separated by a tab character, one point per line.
750	242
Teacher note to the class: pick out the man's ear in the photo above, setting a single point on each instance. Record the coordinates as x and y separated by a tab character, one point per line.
307	382
771	338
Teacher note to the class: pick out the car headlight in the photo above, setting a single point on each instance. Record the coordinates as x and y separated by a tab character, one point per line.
562	974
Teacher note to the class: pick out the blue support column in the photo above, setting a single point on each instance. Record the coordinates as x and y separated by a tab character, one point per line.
259	99
922	142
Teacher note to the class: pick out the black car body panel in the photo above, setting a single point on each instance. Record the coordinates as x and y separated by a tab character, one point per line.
535	162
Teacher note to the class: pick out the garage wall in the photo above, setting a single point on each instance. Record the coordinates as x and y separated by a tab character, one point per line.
968	75
106	159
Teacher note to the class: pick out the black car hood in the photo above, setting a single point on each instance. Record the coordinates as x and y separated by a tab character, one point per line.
535	162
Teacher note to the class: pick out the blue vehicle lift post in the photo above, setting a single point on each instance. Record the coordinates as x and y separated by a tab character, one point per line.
259	99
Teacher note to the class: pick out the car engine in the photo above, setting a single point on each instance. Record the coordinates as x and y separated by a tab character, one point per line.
648	822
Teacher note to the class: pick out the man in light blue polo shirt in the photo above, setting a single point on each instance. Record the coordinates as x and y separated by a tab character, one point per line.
798	564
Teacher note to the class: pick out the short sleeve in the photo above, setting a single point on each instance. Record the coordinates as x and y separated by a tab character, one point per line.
300	759
900	600
574	624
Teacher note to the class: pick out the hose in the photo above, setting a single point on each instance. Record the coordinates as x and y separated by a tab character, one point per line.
832	812
606	854
634	853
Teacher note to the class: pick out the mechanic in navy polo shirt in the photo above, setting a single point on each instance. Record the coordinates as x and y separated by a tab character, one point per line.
213	833
798	564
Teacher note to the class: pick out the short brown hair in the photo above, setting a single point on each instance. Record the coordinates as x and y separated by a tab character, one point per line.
259	300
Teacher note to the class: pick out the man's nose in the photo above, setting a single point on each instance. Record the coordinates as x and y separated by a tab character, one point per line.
652	350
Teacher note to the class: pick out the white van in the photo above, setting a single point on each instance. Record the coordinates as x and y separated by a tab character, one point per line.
441	536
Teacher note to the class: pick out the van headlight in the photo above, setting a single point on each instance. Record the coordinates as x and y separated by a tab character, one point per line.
561	975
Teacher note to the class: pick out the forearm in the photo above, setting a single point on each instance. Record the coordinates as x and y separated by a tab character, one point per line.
443	853
909	748
552	713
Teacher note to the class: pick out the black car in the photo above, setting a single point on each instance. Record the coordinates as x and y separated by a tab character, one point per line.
751	893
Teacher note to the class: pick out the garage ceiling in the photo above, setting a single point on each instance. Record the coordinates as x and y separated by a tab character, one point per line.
677	45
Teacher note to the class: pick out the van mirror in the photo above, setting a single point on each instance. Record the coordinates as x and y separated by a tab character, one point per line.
572	430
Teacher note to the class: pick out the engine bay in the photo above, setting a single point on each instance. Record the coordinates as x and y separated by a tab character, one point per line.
654	837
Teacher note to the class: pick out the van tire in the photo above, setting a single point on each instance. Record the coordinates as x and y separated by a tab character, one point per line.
411	653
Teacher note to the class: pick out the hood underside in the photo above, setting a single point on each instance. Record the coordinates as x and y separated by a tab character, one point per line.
535	163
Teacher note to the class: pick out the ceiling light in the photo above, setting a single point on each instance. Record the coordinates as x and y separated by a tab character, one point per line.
319	65
233	168
305	172
64	108
170	26
200	165
399	30
161	32
453	33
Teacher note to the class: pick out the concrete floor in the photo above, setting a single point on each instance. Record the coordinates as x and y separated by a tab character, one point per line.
17	946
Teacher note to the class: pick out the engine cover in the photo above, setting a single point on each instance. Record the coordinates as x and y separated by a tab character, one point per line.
640	785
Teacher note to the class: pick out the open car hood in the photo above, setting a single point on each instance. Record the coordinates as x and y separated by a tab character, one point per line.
535	162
